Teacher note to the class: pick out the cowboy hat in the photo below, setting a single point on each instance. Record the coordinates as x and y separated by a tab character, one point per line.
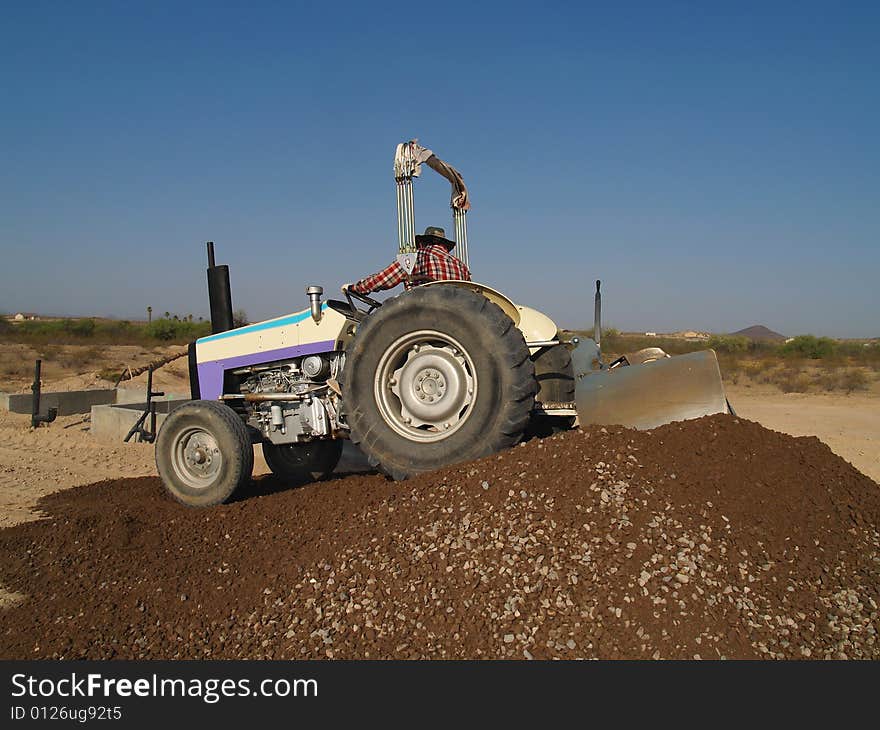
433	234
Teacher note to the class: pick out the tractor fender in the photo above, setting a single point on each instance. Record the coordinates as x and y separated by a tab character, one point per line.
535	326
493	295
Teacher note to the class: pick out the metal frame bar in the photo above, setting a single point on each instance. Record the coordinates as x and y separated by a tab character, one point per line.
459	219
406	167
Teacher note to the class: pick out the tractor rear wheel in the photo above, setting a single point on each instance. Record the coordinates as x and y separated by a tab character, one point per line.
305	462
204	453
437	376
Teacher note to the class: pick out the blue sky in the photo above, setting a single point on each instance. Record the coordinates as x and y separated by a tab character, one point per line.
716	165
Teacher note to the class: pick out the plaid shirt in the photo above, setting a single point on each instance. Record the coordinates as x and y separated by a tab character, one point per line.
433	263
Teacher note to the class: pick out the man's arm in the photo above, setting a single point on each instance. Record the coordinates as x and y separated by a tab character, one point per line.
389	277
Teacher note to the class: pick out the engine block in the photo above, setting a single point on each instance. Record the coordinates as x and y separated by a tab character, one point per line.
296	400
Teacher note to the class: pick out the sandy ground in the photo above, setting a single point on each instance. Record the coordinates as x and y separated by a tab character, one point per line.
849	424
77	367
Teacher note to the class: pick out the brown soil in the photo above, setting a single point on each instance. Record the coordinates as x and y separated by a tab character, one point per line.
705	539
849	424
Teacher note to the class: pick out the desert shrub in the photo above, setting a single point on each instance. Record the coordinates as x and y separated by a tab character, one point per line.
50	353
240	318
771	374
732	367
752	369
80	327
846	379
15	368
162	329
850	349
59	329
854	379
111	374
116	332
763	348
81	358
792	382
168	330
729	343
37	328
808	346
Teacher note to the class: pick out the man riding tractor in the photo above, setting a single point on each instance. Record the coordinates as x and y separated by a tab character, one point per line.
434	262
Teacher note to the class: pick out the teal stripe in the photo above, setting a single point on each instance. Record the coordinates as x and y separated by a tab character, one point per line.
292	319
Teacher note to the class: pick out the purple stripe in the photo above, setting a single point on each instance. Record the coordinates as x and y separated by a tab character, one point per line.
211	373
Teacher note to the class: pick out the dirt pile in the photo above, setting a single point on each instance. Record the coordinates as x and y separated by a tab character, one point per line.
714	538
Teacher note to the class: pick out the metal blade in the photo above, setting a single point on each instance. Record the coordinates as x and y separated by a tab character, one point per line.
649	395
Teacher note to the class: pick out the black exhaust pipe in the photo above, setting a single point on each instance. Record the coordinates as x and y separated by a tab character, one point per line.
219	294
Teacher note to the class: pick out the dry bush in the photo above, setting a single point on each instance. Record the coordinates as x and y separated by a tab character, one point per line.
794	383
854	379
788	376
16	368
82	359
771	374
731	368
827	379
752	369
846	379
738	370
112	374
50	353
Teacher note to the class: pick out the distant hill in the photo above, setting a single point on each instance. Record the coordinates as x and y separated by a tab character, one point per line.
760	332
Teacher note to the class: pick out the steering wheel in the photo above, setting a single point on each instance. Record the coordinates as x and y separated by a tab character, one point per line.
363	298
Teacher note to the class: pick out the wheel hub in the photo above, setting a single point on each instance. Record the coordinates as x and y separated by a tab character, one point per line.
425	385
433	386
197	459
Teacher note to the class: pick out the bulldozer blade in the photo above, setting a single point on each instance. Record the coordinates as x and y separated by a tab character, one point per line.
649	395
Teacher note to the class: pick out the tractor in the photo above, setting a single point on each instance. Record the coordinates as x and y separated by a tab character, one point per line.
443	373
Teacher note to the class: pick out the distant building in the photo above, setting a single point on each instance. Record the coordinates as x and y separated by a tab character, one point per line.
650	334
19	317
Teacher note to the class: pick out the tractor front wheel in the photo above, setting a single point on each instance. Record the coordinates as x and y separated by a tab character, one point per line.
204	453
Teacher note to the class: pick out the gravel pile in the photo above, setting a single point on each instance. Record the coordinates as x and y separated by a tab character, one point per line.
706	539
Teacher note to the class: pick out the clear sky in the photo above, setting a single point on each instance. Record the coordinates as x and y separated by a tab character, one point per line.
716	165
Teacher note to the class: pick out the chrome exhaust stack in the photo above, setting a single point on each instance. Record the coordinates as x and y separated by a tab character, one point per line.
314	294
